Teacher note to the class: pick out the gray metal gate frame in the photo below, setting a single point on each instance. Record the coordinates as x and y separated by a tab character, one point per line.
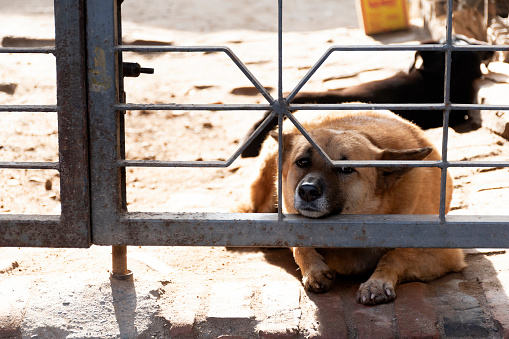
113	225
72	227
92	162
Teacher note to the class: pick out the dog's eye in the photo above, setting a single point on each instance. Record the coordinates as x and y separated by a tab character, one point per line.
345	170
303	163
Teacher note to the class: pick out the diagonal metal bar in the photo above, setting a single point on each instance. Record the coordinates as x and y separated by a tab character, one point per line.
214	163
308	75
369	48
217	49
305	133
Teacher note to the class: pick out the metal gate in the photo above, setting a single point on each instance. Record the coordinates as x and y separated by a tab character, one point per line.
102	218
72	227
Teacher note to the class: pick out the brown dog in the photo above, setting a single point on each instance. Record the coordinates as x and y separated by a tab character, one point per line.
315	189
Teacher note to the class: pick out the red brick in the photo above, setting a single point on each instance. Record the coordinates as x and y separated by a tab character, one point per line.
181	311
415	314
497	301
281	308
181	330
279	333
327	319
230	301
371	321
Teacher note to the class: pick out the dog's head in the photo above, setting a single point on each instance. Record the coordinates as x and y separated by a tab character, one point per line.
315	188
466	65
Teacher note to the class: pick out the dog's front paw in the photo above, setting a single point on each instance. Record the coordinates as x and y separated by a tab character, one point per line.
319	279
374	292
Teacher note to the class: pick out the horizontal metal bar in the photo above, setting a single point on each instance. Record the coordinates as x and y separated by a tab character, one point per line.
250	107
346	48
423	47
205	49
422	163
39	50
500	164
30	165
479	48
35	230
337	163
213	163
163	163
480	107
365	106
246	229
302	107
335	48
169	48
29	108
192	107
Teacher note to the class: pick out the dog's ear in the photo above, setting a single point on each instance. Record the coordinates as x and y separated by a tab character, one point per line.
432	61
390	175
287	139
274	135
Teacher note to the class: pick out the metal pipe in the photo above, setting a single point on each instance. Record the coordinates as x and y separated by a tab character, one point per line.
119	263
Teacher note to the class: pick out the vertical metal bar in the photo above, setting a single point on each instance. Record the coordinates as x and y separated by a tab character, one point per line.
72	122
280	105
119	263
447	111
119	253
105	123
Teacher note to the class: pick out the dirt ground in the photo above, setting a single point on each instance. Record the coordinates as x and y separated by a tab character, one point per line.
192	135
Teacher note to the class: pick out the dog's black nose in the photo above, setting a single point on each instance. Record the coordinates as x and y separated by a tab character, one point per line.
309	192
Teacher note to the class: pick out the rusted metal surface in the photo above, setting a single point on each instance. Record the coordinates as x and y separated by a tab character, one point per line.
93	184
220	229
72	120
114	226
103	74
119	263
72	227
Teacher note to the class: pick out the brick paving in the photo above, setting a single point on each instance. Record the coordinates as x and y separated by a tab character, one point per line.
470	304
460	305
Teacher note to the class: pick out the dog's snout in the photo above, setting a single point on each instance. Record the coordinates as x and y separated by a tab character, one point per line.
309	192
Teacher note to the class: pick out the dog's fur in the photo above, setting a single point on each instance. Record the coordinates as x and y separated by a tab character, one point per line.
315	189
423	83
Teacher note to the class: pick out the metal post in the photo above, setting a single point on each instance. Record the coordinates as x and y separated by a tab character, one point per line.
107	129
119	253
119	263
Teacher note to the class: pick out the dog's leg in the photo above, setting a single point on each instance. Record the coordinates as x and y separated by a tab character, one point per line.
317	276
407	264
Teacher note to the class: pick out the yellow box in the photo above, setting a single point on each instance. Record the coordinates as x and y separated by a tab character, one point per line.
378	16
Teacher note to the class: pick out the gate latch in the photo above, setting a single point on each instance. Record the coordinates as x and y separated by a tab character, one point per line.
133	69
